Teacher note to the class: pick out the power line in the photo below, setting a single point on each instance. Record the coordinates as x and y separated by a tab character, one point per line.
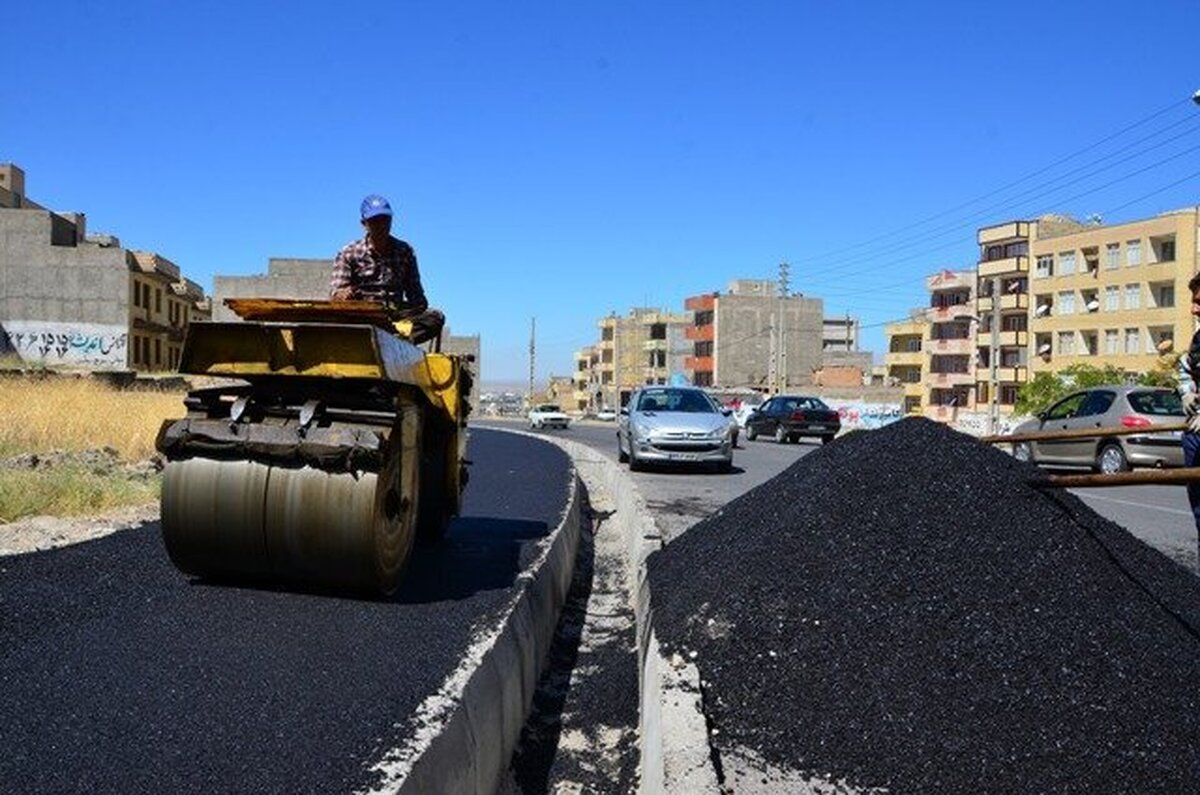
1020	180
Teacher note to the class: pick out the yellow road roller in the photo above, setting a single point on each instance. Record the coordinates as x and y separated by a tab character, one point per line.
320	446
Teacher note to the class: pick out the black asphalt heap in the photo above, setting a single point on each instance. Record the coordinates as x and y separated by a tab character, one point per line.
901	609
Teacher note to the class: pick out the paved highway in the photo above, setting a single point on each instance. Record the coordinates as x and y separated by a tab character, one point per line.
1158	515
118	674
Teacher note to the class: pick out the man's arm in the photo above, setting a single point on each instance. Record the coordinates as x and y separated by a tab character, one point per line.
340	286
415	301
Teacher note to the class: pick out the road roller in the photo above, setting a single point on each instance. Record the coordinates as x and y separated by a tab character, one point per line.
318	446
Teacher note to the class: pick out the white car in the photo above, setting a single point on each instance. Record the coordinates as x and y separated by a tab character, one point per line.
548	415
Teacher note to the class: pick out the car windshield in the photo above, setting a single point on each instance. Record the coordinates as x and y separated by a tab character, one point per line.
804	404
1165	403
547	407
684	400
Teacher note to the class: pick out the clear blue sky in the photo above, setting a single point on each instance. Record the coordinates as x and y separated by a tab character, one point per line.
566	160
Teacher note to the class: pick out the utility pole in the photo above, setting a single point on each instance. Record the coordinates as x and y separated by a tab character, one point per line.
994	369
783	340
772	358
532	331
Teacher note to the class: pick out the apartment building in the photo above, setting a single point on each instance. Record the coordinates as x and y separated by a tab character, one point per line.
585	379
73	299
751	336
905	360
647	346
1112	294
949	344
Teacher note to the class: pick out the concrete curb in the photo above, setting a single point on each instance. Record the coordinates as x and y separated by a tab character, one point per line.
466	733
674	737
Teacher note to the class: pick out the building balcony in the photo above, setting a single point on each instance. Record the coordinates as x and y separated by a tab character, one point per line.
999	267
904	358
698	364
916	389
699	333
1003	232
1008	301
1004	375
654	345
699	303
1012	338
959	345
950	379
605	345
943	314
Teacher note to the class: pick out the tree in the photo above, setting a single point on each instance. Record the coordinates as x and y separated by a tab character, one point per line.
1044	388
1163	371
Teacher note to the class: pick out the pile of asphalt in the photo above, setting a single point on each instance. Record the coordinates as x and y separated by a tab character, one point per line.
901	609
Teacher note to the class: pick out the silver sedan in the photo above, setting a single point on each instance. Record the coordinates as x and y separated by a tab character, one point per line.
674	425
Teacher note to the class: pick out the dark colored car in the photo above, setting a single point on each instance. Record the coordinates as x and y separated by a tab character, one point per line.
788	417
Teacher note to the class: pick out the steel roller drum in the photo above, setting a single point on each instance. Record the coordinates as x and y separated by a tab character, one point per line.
251	520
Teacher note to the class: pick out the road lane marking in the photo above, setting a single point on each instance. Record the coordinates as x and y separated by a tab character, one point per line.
1131	502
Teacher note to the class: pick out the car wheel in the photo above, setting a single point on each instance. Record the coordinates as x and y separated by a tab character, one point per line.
635	465
725	467
622	456
781	435
1111	459
827	438
1023	451
751	433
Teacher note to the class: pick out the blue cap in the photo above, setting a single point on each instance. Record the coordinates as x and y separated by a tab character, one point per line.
375	205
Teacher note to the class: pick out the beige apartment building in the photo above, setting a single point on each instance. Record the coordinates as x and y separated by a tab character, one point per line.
1112	294
905	360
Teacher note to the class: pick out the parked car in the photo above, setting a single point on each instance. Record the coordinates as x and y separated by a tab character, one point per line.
606	415
789	417
1108	406
548	415
674	425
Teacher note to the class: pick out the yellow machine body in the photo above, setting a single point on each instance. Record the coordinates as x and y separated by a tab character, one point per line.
327	446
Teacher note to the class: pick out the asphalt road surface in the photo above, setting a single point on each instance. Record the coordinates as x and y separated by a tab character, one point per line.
1158	515
120	675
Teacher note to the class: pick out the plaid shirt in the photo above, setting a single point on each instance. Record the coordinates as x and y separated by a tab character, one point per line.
392	279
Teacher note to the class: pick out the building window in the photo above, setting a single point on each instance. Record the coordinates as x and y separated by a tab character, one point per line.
1089	343
1066	263
1133	296
1066	303
1164	296
1112	341
158	301
1132	343
1166	250
146	296
702	378
703	348
1112	256
157	352
1133	252
1066	343
1008	395
137	295
703	318
1112	298
1045	266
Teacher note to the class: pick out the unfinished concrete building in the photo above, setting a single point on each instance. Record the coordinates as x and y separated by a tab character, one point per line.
70	299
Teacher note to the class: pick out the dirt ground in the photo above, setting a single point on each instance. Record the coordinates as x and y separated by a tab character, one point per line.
48	532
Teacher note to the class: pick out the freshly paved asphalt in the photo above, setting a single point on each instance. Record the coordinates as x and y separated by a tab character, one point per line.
119	674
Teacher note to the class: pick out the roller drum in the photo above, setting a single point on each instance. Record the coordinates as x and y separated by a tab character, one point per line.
247	519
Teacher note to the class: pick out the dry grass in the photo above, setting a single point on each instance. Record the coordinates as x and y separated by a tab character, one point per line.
41	415
38	415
